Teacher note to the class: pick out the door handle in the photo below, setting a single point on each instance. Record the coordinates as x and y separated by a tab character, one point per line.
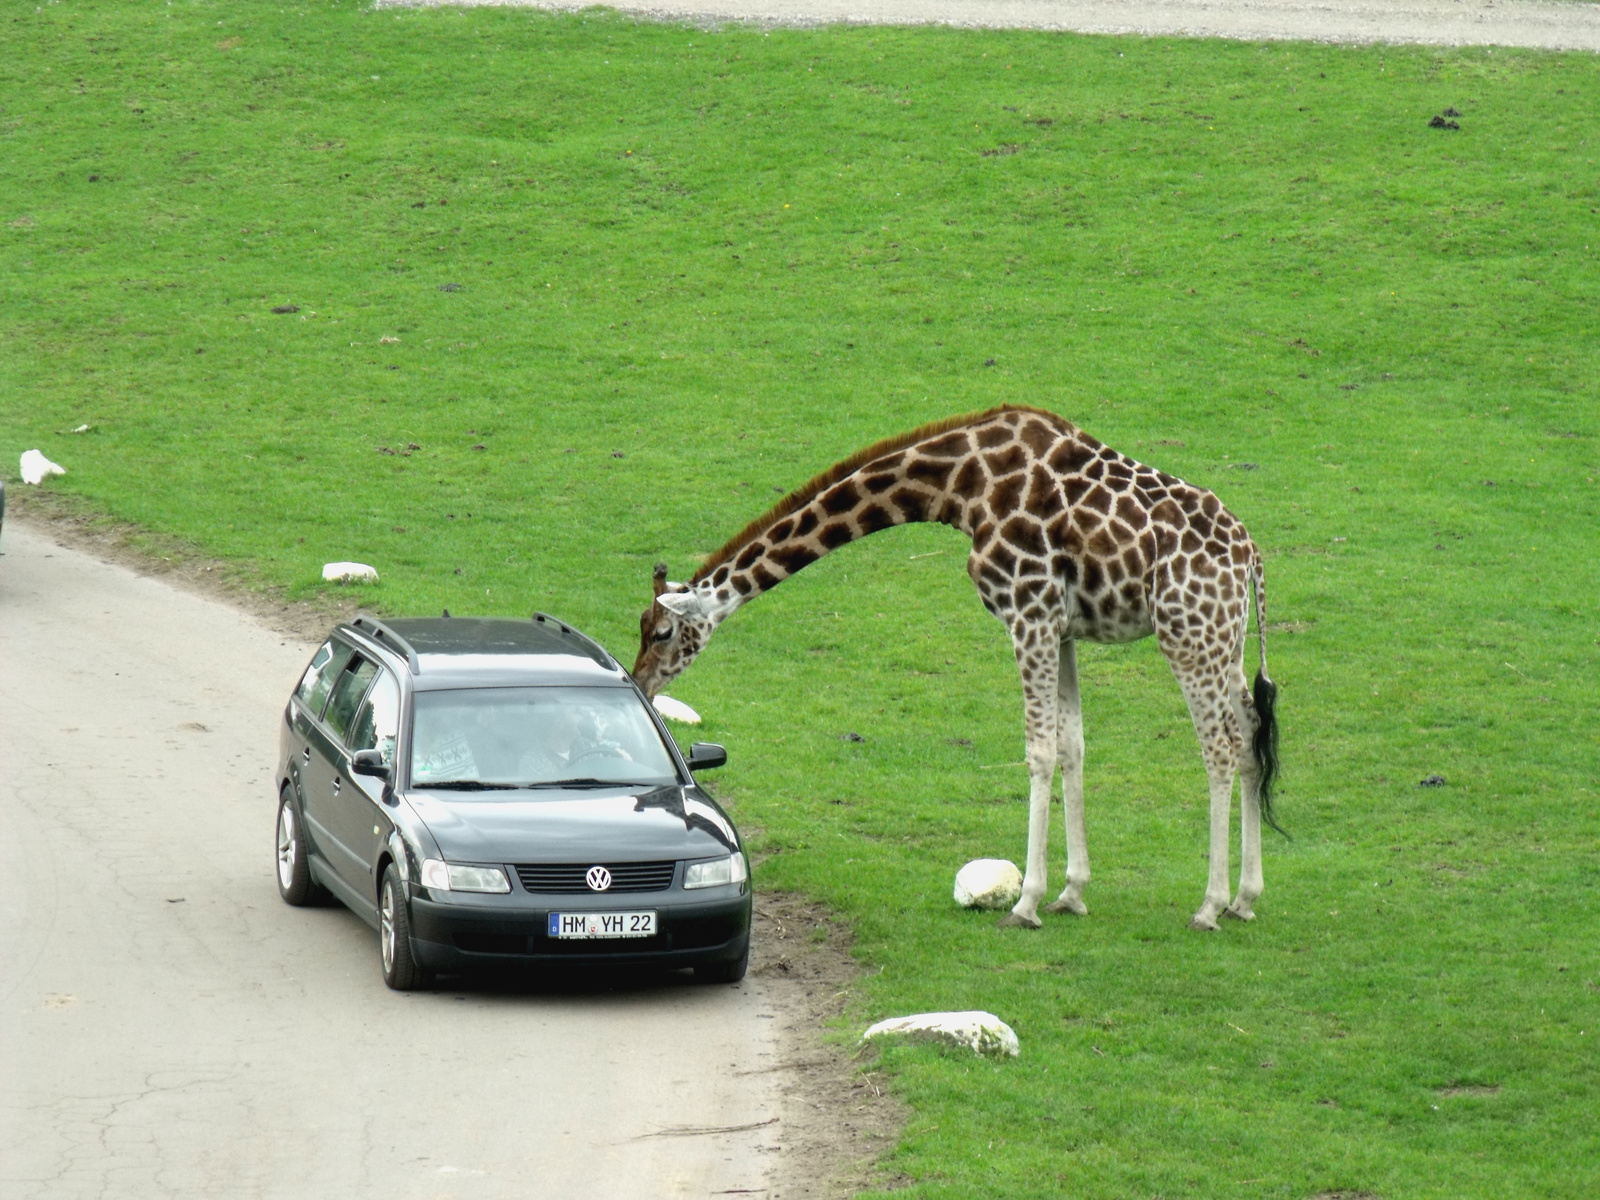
305	755
337	784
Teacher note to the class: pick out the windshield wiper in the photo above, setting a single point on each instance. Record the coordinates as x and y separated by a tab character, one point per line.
470	785
587	781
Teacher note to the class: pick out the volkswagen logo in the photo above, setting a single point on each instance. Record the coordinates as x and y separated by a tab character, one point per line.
598	879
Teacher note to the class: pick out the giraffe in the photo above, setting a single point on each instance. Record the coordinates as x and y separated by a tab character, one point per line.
1070	540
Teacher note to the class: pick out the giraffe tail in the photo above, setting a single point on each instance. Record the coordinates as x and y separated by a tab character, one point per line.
1264	745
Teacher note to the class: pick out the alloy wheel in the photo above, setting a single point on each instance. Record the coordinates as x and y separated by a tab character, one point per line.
386	928
288	846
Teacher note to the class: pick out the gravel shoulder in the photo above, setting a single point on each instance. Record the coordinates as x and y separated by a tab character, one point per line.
1536	24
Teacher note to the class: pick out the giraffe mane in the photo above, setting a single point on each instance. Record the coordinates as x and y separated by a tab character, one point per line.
808	491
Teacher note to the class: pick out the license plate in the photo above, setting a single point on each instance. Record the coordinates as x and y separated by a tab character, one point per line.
602	925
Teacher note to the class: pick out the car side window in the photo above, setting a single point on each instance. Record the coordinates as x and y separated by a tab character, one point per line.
317	682
347	695
378	722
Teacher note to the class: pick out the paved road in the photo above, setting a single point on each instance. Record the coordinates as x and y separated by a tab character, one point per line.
1534	23
169	1028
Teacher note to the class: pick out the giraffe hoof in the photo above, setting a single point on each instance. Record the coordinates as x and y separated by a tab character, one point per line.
1204	923
1017	921
1074	906
1238	913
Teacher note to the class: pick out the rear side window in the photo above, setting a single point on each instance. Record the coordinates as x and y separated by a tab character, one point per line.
378	722
319	677
347	693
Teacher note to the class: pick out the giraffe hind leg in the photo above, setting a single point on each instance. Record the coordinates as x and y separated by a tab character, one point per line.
1250	881
1206	690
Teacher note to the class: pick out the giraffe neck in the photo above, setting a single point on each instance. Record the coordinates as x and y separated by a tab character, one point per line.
941	478
845	512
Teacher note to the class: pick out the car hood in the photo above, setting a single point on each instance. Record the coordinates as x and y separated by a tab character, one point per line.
632	825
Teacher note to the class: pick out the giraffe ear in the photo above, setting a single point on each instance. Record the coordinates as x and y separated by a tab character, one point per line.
659	579
685	604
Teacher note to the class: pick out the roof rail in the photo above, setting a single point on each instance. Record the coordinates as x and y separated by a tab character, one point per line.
383	634
596	650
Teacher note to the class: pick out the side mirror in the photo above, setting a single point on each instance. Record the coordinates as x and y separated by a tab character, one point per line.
369	762
705	755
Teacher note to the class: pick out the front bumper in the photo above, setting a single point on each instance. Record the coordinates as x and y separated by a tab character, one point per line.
456	936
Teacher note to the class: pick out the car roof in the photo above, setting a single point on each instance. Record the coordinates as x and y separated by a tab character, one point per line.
455	652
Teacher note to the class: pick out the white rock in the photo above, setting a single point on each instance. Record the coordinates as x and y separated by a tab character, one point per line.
35	467
988	883
677	710
349	572
980	1032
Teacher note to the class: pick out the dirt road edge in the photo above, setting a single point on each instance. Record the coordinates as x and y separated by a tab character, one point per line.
1531	24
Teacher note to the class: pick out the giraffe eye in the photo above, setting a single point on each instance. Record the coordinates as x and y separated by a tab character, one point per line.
664	634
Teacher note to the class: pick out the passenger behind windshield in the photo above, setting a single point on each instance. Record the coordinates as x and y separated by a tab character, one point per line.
525	737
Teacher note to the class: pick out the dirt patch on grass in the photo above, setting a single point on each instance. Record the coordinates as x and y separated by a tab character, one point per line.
69	522
838	1117
1471	1089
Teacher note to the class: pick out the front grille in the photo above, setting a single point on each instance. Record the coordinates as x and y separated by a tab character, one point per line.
568	878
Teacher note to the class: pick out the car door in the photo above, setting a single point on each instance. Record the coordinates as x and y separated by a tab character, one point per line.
327	773
361	818
305	711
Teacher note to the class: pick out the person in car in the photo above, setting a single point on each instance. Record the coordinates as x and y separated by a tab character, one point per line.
572	746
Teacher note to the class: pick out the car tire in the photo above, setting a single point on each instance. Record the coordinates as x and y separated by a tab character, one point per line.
724	972
295	884
401	971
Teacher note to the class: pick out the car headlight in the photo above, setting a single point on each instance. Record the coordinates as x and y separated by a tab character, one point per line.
453	877
716	872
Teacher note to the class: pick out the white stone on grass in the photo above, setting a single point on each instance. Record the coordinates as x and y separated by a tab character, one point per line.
676	710
349	572
35	467
980	1032
988	883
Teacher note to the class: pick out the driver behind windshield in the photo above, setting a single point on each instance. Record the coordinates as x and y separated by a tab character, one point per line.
523	737
573	743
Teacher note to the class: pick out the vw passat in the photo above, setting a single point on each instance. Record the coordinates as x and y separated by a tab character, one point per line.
488	791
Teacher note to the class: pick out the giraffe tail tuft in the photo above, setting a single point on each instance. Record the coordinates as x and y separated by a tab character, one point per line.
1264	745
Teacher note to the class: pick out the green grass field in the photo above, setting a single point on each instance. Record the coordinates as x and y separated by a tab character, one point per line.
575	294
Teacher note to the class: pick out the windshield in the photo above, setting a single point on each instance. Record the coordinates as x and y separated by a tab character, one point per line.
528	737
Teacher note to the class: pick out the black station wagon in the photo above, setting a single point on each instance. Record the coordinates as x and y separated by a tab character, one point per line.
497	791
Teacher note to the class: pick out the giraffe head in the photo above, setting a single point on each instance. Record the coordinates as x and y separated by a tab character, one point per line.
674	629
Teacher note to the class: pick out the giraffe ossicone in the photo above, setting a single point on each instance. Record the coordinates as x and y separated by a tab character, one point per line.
682	603
1070	541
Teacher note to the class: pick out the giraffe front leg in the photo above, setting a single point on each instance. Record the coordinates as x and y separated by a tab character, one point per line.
1041	766
1036	661
1069	752
1071	898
